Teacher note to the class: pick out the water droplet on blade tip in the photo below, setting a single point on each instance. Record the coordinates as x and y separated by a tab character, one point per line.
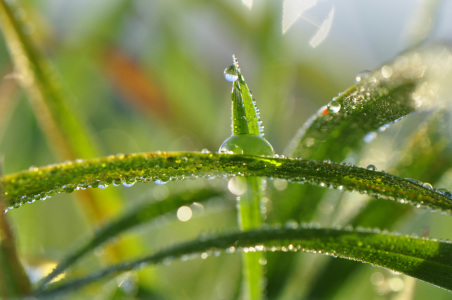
230	74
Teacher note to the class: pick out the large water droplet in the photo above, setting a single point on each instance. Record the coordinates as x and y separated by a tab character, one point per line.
230	73
247	144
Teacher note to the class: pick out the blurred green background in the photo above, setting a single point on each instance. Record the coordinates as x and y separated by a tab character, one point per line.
148	76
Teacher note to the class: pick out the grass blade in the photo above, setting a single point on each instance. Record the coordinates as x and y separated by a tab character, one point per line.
65	128
43	182
63	124
383	215
14	282
380	97
247	138
413	81
426	259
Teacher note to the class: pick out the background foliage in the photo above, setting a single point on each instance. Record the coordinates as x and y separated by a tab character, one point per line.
147	76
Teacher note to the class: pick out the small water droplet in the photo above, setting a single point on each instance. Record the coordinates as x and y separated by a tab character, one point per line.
383	128
334	107
230	73
205	150
427	185
371	168
360	76
160	181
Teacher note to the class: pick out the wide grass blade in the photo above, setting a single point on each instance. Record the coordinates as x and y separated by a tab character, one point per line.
426	259
427	147
40	183
413	81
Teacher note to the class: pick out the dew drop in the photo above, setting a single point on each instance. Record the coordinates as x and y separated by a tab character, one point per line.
334	107
427	185
361	76
230	73
371	168
383	128
247	144
205	150
160	182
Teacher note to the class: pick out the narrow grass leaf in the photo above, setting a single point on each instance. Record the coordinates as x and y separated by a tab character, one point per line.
40	183
247	138
14	282
426	259
63	124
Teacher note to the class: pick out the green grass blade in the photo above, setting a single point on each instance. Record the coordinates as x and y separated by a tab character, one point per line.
411	82
66	130
14	282
247	138
383	215
138	216
426	259
251	217
43	182
339	128
62	123
245	115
